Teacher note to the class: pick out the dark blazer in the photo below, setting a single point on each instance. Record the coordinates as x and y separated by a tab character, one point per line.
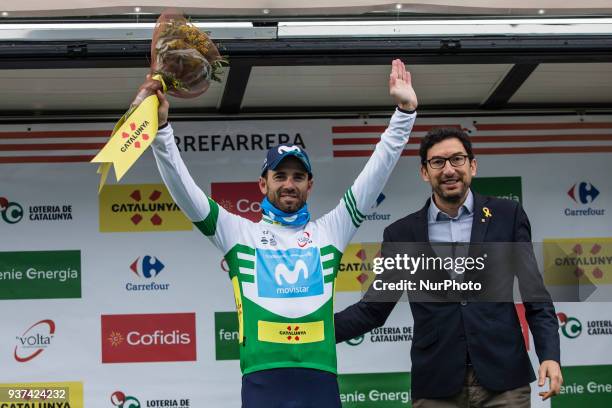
445	332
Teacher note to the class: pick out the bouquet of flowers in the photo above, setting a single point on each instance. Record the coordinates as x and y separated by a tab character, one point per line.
184	61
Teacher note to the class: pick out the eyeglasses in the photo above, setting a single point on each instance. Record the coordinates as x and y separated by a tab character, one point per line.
438	163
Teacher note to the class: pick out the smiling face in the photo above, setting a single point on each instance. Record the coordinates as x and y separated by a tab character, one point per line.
288	186
449	184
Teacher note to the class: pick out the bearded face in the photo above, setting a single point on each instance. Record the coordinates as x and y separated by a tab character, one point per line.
450	183
287	187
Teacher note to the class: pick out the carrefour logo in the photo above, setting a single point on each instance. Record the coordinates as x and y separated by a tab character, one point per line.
295	272
570	326
375	216
584	193
147	267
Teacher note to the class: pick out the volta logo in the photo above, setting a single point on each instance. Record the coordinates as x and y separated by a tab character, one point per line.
120	400
295	272
147	267
140	208
224	265
290	276
148	338
587	193
34	340
570	326
11	212
240	198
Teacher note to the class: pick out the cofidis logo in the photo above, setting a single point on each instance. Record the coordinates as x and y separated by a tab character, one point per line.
240	198
138	338
140	208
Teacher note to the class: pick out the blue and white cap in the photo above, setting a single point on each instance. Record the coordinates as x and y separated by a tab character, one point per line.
278	153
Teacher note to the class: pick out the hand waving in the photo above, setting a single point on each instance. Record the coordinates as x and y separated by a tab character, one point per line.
400	86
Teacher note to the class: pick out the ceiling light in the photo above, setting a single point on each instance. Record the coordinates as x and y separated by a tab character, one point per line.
266	11
398	6
137	9
4	14
541	11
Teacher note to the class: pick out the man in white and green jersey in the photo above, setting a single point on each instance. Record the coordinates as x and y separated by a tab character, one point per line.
284	292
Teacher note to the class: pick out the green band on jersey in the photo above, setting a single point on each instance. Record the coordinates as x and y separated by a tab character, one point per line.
350	207
334	262
360	216
209	225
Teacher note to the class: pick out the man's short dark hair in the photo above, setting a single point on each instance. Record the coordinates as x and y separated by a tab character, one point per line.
436	135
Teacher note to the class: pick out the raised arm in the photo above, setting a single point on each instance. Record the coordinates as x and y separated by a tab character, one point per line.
209	217
359	198
187	195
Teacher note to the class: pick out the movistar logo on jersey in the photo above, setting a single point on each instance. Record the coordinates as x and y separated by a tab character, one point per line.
294	272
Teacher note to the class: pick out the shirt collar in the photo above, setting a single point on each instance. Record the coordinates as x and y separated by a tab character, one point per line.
467	207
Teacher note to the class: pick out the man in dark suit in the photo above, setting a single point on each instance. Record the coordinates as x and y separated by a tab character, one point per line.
464	354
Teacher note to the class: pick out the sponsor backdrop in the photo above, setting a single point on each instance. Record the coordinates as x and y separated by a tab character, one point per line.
115	300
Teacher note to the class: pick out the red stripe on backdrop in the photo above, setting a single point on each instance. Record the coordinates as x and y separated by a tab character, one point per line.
55	134
366	141
495	150
543	126
46	159
380	129
50	146
486	139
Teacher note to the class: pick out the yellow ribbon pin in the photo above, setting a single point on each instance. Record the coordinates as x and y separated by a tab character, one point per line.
487	213
131	136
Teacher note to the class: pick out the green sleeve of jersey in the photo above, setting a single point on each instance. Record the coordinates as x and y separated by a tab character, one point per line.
208	226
